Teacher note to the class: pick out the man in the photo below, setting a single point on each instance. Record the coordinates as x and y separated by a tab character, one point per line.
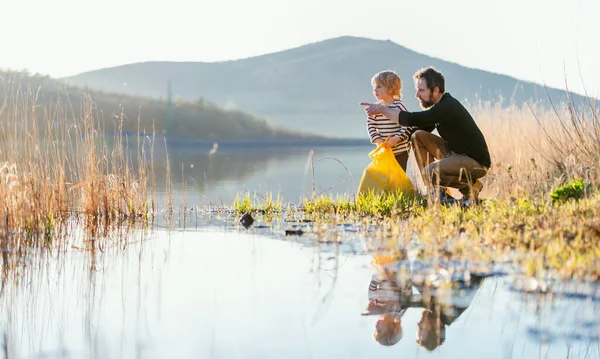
442	307
456	159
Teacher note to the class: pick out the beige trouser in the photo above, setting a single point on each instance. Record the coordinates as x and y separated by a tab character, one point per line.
441	167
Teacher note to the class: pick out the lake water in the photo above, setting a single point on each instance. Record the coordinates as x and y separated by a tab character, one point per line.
218	290
290	172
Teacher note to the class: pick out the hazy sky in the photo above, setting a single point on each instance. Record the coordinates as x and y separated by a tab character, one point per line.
529	39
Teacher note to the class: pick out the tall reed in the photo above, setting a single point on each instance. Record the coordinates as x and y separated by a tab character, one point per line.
533	148
58	166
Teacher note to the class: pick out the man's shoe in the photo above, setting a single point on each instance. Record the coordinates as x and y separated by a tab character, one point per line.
476	189
466	202
442	195
469	203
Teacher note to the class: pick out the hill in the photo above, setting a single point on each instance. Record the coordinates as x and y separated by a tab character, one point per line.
182	119
313	87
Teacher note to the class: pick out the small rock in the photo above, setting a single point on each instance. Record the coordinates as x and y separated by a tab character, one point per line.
246	220
294	232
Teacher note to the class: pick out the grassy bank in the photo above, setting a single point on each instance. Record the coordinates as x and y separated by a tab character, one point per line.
541	204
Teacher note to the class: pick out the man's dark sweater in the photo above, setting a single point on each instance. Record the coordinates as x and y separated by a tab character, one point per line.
455	125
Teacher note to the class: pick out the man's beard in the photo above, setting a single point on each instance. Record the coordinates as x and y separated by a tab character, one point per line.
426	104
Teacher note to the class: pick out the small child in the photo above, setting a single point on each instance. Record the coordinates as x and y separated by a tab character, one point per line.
387	88
386	298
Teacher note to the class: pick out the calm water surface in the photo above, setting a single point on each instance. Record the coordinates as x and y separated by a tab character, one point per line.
289	172
229	293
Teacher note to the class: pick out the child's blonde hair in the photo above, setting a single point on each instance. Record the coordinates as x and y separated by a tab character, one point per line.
390	335
390	80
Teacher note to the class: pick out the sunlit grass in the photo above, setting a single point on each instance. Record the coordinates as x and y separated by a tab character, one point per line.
539	235
258	203
372	203
243	203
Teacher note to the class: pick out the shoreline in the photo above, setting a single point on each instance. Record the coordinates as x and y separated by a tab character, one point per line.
174	142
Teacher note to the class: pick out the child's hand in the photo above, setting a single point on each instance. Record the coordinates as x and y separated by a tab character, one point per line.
393	141
377	142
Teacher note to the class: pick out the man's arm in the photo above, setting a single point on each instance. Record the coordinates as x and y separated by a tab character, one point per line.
424	119
426	128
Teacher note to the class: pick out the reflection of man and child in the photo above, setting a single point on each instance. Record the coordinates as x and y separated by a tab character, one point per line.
444	294
456	158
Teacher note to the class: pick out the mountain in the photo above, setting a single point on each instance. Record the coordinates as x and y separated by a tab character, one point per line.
314	87
192	120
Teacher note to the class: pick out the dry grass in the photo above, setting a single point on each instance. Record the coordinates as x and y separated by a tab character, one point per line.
534	150
57	167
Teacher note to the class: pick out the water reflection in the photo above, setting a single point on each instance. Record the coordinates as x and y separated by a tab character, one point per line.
442	292
217	293
442	307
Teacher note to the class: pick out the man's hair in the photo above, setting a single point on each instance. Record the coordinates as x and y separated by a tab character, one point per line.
433	78
390	80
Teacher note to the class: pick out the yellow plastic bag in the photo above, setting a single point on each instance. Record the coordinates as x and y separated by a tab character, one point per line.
384	174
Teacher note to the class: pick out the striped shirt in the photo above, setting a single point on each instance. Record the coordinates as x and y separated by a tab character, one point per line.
379	126
386	296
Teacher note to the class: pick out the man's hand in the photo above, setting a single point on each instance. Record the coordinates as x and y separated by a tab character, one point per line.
372	108
375	108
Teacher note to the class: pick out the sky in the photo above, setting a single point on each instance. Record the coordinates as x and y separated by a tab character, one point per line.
544	41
